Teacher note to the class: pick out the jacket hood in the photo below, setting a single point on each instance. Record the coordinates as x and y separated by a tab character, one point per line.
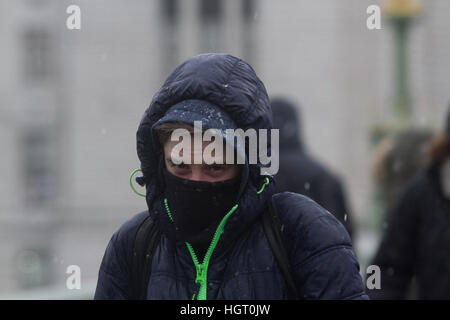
221	79
286	118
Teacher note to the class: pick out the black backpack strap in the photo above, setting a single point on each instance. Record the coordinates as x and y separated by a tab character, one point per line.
273	230
140	265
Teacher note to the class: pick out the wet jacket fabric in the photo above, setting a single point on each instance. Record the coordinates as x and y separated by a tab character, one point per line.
242	265
416	243
301	173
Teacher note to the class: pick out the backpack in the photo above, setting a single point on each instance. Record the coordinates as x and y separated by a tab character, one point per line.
148	236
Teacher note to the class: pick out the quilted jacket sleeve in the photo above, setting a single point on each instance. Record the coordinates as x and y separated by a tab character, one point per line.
322	256
113	276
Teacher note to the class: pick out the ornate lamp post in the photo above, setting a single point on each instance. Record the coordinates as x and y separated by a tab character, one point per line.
388	136
401	14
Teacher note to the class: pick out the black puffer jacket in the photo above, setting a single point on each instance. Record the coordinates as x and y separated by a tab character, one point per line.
416	243
241	264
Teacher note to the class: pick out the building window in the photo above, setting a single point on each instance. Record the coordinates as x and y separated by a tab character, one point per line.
248	10
169	37
211	12
248	37
170	11
37	60
37	156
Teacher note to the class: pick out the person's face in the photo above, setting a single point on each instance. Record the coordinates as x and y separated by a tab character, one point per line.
198	172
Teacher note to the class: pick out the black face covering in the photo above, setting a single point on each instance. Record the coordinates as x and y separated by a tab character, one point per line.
197	207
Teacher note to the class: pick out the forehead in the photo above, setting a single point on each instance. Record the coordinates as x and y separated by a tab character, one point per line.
208	152
170	145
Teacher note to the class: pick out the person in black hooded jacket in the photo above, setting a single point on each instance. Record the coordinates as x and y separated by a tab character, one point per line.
301	173
213	244
416	243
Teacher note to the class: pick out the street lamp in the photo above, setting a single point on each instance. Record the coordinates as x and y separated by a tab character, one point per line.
387	135
401	14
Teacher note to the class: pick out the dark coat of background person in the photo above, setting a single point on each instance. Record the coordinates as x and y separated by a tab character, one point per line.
242	266
415	248
299	172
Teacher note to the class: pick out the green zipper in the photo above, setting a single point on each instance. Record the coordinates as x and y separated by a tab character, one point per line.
202	268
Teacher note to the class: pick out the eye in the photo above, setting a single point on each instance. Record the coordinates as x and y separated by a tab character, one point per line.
179	166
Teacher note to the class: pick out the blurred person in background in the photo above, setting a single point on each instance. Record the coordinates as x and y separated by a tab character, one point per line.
212	218
416	243
396	161
299	172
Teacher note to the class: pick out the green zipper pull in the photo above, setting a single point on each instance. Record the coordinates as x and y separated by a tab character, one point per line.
200	270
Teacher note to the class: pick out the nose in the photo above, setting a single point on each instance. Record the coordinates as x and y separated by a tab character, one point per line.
198	174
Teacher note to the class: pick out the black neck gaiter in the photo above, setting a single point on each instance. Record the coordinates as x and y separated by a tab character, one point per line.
197	207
